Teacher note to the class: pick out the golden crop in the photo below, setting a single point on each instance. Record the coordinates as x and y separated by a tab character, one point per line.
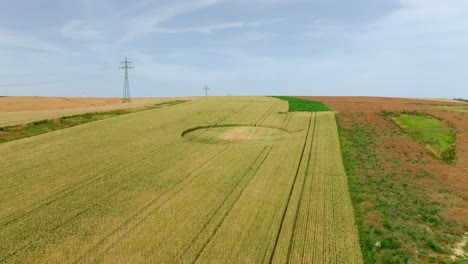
132	189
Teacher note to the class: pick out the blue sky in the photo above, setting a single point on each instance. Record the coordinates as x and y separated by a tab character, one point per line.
404	48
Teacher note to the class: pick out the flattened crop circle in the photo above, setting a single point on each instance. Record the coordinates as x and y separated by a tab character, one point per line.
225	134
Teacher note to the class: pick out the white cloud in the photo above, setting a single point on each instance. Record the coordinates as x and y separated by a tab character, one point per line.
150	23
257	35
78	30
423	21
268	3
10	39
418	49
202	29
214	27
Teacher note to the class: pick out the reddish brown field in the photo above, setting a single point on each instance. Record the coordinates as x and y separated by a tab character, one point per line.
449	187
34	103
454	175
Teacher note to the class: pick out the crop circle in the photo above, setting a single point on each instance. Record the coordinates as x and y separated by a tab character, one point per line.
226	134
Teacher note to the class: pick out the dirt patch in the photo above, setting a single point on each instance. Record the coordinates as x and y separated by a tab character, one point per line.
458	250
33	103
239	133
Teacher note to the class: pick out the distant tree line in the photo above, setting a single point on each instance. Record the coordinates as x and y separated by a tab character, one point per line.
461	99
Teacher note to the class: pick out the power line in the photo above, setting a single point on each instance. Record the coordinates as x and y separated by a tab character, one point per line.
92	75
126	92
46	74
32	75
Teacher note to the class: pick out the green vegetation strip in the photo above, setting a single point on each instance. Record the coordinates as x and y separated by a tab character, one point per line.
397	221
301	105
430	132
11	133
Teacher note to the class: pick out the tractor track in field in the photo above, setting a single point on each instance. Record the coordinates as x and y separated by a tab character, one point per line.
178	201
231	114
333	215
135	220
315	230
301	195
264	255
267	113
65	192
40	235
291	190
223	118
94	147
28	244
287	120
252	170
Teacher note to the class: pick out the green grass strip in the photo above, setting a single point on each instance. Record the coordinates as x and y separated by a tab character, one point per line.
430	132
301	105
11	133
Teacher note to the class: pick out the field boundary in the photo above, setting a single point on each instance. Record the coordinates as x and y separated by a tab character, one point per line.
15	132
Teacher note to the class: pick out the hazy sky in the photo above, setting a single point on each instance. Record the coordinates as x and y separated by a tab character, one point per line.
406	48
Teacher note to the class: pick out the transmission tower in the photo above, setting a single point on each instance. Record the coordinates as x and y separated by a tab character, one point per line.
206	90
126	91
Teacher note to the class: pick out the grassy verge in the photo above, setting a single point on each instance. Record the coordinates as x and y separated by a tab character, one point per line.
296	104
10	133
430	132
398	218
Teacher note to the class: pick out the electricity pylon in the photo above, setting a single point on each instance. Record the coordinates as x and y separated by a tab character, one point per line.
126	91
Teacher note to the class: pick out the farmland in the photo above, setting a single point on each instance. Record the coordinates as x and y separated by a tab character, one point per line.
216	180
412	202
16	110
15	132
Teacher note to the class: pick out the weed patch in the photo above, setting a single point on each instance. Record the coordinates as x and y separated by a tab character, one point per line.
397	221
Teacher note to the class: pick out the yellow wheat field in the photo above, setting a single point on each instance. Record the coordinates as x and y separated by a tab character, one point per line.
219	180
11	118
